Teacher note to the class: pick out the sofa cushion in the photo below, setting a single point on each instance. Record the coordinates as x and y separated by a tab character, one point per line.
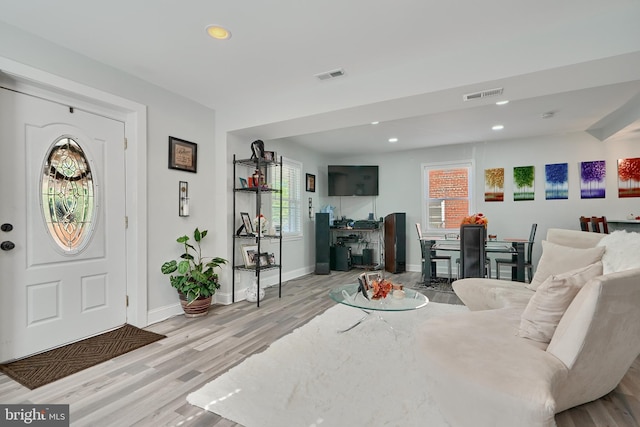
621	248
557	259
552	298
488	294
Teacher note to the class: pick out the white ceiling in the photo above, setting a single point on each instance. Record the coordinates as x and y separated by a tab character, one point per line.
407	64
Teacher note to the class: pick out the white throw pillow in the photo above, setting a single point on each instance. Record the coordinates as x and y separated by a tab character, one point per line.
622	249
557	259
546	307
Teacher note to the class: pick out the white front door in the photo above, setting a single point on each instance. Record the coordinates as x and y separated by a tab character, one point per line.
62	221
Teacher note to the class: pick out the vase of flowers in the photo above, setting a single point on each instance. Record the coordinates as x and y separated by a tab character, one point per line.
260	224
477	218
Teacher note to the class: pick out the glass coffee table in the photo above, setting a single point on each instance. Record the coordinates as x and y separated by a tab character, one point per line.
349	295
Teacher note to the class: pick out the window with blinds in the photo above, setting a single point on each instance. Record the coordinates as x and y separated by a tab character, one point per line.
291	198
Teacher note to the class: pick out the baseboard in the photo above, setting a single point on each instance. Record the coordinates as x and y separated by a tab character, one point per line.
267	280
163	313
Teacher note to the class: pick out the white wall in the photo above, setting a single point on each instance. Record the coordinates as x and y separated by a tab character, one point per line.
168	114
400	184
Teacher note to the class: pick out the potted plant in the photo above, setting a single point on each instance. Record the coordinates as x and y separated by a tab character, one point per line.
195	278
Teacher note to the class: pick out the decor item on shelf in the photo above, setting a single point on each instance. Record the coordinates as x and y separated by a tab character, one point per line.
250	255
477	218
258	179
257	149
246	224
252	292
270	156
195	278
260	224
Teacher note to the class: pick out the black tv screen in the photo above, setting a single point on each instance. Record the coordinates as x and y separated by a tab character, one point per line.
353	180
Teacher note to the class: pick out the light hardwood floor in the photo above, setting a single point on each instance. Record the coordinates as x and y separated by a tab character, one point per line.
148	387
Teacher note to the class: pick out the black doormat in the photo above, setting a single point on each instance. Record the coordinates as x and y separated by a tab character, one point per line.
36	371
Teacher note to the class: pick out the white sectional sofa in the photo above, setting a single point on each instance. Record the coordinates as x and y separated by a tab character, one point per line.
528	351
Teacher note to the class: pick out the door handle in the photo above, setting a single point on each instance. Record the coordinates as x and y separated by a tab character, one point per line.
7	245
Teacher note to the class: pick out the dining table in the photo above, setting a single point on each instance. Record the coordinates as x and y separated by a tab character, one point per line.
513	246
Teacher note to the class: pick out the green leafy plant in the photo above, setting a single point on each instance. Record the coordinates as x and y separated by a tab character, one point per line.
195	275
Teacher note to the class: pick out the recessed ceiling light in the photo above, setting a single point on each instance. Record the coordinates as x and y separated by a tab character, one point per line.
393	139
498	127
375	123
218	32
505	102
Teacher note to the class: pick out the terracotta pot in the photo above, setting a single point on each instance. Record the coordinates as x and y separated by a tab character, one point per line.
197	308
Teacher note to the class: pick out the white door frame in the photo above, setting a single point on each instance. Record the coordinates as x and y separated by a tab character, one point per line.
134	115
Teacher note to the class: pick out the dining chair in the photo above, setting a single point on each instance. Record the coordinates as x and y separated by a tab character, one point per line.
595	224
433	257
584	223
528	262
473	258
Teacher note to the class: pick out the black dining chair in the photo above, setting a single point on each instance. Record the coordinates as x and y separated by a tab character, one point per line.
433	257
473	258
528	262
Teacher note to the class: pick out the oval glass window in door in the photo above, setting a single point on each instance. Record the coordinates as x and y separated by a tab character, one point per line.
68	195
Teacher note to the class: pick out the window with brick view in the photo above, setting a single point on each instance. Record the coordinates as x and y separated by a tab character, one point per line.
447	195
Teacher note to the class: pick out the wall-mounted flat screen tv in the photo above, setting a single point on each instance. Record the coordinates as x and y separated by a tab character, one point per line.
347	180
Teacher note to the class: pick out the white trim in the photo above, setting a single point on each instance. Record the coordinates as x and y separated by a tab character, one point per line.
134	115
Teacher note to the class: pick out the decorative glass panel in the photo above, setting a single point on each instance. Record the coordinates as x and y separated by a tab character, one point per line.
68	202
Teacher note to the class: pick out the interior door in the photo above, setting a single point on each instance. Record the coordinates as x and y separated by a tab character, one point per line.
62	216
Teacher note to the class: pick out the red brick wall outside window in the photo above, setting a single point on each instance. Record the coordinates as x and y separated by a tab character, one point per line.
448	195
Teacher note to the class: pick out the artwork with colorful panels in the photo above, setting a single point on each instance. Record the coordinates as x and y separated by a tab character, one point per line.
592	179
556	184
524	183
629	177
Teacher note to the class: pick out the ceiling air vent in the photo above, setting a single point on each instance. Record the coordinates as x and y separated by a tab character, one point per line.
330	74
482	94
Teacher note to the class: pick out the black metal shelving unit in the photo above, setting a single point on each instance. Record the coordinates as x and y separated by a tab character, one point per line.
274	166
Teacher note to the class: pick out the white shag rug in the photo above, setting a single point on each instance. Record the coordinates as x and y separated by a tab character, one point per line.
369	376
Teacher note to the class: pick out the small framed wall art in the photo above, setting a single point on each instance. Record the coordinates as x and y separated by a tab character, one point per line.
183	155
311	183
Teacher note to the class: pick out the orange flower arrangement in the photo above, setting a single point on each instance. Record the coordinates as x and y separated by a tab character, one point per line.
381	288
478	218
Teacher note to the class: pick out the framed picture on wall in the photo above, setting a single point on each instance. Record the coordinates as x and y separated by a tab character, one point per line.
183	155
311	183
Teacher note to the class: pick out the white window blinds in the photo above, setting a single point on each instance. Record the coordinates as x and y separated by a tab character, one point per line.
291	198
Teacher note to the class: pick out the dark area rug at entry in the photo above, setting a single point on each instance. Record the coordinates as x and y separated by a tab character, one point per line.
44	368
